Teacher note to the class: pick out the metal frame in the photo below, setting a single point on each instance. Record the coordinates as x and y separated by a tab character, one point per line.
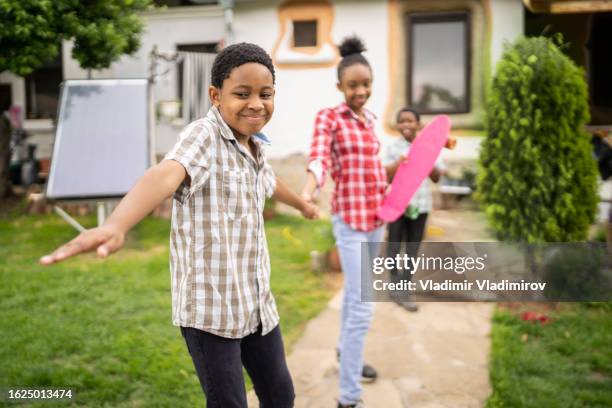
150	146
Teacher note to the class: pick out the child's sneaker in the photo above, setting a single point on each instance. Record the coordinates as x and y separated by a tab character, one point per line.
409	306
368	373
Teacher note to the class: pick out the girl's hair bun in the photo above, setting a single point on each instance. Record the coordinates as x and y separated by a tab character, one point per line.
351	45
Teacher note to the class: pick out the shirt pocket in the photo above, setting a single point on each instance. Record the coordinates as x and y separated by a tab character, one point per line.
236	193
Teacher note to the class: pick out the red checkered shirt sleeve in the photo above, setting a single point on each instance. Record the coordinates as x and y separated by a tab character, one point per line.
320	149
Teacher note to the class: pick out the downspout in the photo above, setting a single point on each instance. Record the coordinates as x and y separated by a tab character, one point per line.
228	15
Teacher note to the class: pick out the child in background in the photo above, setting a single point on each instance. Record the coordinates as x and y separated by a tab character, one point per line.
221	296
408	230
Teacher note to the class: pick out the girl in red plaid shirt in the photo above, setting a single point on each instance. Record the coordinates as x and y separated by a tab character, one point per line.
345	146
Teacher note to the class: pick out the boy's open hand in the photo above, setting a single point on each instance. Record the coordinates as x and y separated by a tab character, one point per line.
104	239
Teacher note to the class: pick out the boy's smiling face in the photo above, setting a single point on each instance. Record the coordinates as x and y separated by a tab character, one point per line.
408	125
246	99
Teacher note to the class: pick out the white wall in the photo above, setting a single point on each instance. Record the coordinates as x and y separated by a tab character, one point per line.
300	93
17	87
166	29
508	22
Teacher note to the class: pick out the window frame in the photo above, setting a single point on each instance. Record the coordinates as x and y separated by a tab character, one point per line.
53	68
208	47
412	19
6	89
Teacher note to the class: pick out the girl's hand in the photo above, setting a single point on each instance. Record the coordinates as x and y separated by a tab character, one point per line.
307	197
105	240
310	211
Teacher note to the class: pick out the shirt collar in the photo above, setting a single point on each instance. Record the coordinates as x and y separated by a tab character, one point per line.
403	142
344	108
215	116
261	138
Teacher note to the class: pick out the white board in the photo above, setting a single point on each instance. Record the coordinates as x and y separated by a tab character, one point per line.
102	142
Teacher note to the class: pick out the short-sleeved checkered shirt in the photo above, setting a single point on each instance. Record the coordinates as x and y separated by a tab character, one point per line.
347	147
422	199
219	259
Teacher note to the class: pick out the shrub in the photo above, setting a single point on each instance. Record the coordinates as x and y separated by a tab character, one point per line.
538	179
576	272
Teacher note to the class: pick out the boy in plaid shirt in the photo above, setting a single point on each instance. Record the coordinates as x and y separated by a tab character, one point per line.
221	296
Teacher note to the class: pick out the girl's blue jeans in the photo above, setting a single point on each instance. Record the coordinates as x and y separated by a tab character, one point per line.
356	315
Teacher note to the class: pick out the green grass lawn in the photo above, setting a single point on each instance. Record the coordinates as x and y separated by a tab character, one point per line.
566	363
103	327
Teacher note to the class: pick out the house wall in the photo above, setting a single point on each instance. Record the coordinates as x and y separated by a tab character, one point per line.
302	91
166	29
17	87
40	131
507	22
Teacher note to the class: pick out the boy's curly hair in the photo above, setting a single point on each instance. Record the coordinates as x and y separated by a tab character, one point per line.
236	55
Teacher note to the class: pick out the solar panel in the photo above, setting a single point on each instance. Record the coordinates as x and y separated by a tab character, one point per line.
102	141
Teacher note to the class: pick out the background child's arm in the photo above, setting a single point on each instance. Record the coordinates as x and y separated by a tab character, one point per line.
159	182
320	154
286	196
391	169
309	187
438	170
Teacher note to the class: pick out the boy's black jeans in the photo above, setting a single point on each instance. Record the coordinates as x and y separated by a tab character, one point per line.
405	230
218	362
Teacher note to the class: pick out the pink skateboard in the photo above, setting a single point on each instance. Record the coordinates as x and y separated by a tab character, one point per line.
420	161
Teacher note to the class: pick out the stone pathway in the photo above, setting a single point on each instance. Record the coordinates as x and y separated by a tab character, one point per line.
436	357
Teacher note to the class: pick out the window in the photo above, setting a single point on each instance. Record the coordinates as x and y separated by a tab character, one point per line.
305	33
439	62
205	47
42	90
601	60
6	97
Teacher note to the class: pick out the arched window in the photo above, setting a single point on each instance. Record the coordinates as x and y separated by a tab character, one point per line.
305	38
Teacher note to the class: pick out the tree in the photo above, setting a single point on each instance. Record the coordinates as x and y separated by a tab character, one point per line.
538	178
31	32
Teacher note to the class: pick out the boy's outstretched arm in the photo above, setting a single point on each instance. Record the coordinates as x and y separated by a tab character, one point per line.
286	196
159	182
